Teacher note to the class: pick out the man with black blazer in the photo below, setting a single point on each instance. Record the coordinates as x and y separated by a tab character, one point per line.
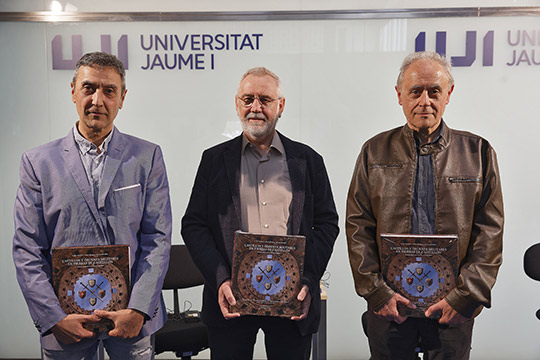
261	182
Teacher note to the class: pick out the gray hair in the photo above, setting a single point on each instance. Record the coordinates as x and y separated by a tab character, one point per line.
262	71
426	55
101	60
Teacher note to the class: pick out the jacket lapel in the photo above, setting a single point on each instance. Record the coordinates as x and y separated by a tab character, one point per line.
112	164
71	157
297	171
232	157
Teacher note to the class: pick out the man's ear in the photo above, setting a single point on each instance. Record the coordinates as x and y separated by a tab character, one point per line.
72	92
123	98
281	105
449	93
398	92
236	104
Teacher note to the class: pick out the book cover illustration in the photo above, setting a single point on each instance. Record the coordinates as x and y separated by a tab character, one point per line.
90	278
422	268
266	274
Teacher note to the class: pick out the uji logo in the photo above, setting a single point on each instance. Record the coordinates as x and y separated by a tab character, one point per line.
59	63
470	47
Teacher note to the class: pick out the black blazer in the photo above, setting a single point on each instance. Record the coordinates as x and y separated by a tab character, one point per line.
213	215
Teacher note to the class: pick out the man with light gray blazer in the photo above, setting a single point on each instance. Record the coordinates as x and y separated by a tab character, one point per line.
96	186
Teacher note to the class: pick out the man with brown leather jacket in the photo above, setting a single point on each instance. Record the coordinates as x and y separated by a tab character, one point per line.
425	178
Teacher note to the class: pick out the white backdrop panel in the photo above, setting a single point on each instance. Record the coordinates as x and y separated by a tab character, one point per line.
338	78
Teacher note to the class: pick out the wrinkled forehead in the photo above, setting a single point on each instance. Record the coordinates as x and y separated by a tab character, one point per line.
102	74
258	85
426	72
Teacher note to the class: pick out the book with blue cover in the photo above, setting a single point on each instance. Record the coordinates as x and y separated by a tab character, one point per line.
90	278
422	268
266	274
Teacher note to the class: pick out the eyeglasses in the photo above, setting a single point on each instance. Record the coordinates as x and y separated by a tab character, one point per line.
248	100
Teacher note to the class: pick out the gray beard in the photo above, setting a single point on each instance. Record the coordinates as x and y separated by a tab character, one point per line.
256	131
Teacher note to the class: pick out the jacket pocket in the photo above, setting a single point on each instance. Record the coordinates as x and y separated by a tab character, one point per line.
386	166
134	186
464	179
128	204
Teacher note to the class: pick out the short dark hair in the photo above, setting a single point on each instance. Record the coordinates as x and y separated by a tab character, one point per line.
101	60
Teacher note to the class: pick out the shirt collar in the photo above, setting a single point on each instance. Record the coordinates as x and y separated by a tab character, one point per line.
85	146
276	143
440	129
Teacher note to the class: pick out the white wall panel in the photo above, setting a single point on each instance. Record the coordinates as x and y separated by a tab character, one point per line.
338	78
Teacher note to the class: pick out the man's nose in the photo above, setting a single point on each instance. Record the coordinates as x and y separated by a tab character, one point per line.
256	106
97	98
425	100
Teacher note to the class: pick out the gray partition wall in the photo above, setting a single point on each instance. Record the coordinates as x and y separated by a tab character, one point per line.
338	69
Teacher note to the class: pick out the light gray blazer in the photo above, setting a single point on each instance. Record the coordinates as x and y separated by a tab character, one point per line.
54	207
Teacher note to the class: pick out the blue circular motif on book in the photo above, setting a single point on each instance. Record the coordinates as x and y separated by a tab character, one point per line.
268	277
92	292
420	279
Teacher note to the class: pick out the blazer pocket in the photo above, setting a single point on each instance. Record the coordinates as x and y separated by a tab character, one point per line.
134	186
128	203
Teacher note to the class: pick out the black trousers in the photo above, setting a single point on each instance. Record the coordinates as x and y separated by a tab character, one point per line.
391	341
281	338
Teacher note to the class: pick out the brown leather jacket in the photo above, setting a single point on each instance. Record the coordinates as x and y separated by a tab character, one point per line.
468	202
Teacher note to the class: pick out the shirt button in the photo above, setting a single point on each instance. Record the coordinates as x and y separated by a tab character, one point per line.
264	203
266	226
262	181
